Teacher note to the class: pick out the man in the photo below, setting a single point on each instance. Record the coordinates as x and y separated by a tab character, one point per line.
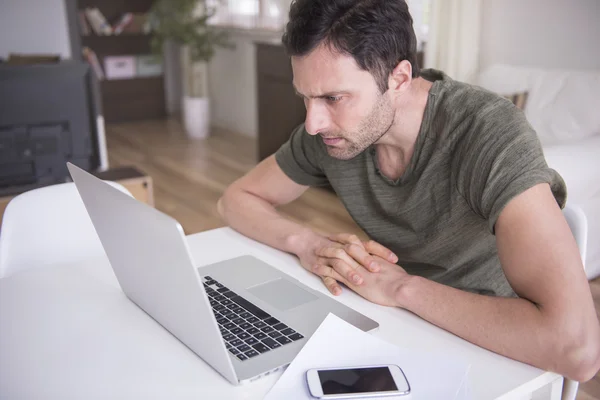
449	177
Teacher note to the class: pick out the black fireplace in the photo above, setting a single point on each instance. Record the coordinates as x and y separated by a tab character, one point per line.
48	115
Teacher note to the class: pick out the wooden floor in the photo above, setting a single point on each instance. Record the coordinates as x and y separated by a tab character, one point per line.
190	175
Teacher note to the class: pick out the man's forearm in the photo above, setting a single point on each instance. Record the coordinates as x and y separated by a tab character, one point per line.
513	327
259	220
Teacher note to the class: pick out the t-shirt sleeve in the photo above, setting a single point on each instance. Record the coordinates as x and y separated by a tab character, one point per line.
499	158
300	159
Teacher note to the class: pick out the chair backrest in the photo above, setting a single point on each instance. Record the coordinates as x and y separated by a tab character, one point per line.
47	226
579	227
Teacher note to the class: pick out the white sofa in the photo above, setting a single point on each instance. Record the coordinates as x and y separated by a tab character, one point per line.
564	108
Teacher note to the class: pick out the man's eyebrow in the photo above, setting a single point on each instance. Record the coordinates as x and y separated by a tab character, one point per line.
321	96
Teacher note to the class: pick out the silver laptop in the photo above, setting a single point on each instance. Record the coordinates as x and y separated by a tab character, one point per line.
242	316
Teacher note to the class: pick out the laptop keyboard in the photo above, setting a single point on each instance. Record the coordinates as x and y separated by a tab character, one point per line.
246	329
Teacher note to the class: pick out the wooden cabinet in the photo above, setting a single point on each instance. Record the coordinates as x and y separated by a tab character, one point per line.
133	99
122	100
280	110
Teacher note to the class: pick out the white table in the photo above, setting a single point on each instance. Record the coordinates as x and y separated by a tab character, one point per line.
69	332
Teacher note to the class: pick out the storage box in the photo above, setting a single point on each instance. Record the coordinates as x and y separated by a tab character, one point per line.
120	67
148	65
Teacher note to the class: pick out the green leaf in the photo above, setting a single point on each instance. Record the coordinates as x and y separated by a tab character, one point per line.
175	20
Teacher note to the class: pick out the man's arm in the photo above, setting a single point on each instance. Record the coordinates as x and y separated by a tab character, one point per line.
553	325
248	206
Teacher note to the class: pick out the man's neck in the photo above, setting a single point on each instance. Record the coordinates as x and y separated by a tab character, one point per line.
395	148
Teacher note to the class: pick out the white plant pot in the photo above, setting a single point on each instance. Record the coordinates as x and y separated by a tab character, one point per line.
196	116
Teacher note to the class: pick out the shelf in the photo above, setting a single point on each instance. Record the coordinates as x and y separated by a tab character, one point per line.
118	45
112	9
93	35
137	78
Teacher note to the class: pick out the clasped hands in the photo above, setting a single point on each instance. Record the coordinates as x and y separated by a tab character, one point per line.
368	268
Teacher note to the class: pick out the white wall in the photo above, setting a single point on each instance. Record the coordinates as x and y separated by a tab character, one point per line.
541	33
233	86
34	26
232	76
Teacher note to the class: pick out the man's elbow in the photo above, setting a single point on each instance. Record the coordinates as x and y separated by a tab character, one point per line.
580	361
221	203
227	202
588	364
221	207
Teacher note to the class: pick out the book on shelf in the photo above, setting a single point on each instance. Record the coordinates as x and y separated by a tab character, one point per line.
98	22
122	23
84	27
92	20
139	24
90	56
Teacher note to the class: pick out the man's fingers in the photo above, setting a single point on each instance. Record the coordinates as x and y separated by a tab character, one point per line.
324	267
345	238
329	276
332	252
344	264
363	257
332	285
378	249
370	246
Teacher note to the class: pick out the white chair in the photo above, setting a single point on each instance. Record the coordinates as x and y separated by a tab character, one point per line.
46	226
579	227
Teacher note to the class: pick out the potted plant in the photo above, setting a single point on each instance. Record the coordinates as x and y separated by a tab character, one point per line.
185	23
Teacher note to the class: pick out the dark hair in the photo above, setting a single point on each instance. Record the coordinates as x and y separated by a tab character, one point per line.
378	34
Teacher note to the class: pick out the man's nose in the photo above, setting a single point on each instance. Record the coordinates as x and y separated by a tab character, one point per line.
317	118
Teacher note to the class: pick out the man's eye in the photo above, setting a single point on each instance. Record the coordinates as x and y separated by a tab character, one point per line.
334	99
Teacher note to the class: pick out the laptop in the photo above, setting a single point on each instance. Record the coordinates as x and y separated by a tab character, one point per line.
243	317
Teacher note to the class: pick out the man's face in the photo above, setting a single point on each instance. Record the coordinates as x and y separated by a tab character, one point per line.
343	103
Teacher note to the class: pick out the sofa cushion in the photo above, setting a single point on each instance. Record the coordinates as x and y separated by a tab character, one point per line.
562	105
579	165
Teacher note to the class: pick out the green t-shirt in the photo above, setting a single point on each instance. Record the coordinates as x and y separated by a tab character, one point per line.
475	152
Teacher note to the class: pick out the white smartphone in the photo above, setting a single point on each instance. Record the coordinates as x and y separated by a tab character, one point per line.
357	382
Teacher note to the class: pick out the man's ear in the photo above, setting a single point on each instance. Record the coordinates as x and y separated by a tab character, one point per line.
400	78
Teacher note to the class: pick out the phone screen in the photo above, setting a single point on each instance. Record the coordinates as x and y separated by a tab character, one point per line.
359	380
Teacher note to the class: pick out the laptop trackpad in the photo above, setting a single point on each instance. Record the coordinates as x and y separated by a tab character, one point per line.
282	294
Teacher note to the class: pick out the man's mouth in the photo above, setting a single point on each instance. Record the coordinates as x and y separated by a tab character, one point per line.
331	141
